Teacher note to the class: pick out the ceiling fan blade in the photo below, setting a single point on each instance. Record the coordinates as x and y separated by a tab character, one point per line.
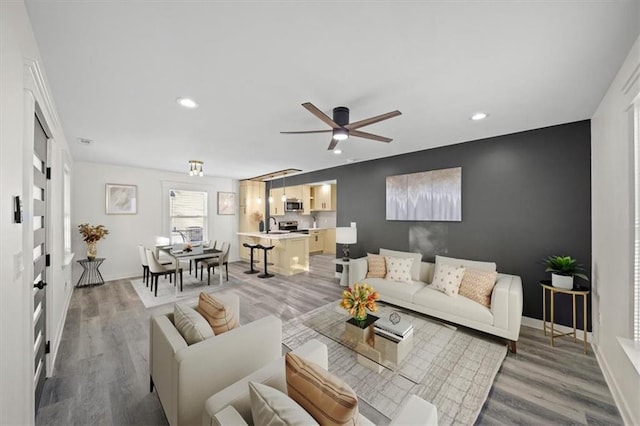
332	144
306	131
367	121
321	115
366	135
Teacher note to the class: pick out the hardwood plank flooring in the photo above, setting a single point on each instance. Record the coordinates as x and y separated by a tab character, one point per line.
101	373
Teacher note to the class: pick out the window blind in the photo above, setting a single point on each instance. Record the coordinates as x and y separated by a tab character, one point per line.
188	215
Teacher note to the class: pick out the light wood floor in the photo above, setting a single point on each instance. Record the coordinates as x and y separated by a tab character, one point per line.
101	373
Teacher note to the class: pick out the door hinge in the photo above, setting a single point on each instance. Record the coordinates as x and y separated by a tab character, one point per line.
47	347
47	260
49	173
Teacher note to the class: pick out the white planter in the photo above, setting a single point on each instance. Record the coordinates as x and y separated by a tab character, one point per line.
562	281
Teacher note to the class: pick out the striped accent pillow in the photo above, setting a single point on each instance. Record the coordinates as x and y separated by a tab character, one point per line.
327	398
191	326
220	318
377	268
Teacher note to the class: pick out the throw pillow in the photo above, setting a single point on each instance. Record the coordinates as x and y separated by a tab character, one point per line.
191	325
327	398
377	267
417	260
447	279
220	317
471	264
398	269
270	407
478	286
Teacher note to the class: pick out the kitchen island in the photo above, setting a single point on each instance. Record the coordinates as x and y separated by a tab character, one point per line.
290	254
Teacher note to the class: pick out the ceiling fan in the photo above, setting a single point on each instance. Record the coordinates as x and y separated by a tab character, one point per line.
341	129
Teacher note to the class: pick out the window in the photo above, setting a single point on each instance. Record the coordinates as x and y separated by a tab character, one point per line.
636	255
187	216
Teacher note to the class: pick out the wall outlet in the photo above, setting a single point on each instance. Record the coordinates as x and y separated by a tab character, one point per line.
353	224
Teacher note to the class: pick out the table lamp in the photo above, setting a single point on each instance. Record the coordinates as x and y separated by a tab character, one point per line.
346	236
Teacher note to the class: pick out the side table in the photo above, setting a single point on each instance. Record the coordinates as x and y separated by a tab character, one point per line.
344	280
546	286
90	272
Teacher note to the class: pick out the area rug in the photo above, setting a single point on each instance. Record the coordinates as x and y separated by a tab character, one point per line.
191	288
449	367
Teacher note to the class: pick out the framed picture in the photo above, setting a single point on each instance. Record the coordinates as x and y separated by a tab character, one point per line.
226	203
121	199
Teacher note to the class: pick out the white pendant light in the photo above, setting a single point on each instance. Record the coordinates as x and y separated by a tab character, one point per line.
284	189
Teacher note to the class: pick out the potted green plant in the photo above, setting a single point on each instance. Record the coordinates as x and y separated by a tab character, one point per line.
563	269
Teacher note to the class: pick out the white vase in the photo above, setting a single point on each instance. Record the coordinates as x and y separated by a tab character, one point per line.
562	281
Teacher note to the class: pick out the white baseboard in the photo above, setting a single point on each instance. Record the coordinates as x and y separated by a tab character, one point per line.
58	338
621	402
536	323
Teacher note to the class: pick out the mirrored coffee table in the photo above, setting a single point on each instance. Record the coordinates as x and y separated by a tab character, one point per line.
373	350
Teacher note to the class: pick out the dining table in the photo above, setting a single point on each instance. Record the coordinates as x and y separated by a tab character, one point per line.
195	253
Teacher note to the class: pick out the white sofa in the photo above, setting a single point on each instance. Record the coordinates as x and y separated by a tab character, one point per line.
502	319
232	406
185	376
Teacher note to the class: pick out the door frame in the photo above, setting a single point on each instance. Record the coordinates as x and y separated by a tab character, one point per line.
37	101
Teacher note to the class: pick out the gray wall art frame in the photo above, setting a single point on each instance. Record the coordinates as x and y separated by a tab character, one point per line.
226	203
121	199
435	195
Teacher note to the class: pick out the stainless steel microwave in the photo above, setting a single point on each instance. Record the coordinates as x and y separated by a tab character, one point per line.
293	205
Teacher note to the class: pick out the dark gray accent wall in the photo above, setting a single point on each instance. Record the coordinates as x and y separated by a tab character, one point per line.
524	196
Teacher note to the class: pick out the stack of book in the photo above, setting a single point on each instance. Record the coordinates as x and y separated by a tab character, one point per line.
395	332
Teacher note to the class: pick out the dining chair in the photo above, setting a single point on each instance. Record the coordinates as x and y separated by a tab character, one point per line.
145	264
221	260
195	261
156	269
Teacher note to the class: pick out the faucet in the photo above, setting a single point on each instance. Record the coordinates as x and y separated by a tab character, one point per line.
275	222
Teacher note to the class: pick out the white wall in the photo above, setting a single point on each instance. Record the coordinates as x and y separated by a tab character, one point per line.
612	227
23	87
126	232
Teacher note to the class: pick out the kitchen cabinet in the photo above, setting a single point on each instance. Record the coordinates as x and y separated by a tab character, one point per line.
306	199
276	208
249	194
316	240
330	241
324	198
294	192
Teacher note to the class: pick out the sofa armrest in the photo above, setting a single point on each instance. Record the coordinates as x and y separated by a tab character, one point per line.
273	374
416	411
357	270
228	416
506	304
202	369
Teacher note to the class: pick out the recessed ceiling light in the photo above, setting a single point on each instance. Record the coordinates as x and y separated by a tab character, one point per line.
337	151
187	102
479	116
351	160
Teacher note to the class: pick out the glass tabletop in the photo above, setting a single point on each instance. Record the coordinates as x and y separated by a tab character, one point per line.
374	349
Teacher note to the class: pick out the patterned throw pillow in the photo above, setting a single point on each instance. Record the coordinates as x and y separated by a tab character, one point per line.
220	317
191	325
377	266
328	399
270	407
447	279
398	269
478	286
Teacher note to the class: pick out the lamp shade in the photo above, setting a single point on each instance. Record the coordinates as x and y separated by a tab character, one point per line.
346	235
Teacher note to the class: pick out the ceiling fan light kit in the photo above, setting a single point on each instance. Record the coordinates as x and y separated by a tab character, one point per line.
341	129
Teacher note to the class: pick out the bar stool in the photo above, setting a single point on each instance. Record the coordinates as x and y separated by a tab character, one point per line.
266	274
251	246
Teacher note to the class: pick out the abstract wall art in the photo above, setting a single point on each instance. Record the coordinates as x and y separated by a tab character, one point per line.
435	195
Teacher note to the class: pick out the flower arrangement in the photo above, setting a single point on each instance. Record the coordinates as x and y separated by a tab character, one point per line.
359	299
257	216
92	234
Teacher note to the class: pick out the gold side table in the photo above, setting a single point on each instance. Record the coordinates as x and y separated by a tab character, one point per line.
546	286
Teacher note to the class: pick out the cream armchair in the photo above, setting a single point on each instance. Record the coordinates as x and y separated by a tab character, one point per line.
232	405
185	376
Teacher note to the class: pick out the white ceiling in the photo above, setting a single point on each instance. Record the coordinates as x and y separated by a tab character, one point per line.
116	68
